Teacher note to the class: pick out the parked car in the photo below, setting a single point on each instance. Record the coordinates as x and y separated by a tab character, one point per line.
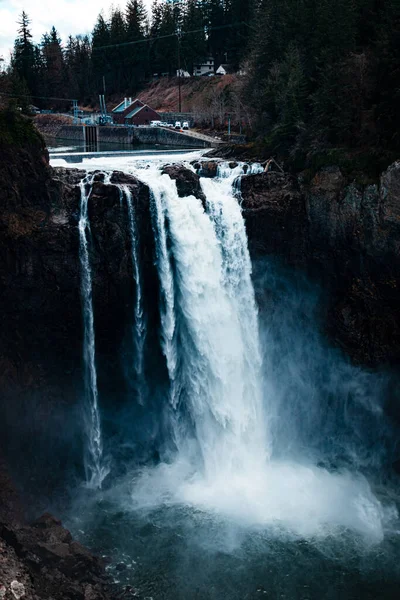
178	125
185	125
170	125
155	123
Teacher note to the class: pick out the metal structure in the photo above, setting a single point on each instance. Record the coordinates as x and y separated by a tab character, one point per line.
75	111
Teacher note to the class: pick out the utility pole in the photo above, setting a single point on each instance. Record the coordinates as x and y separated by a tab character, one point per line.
179	71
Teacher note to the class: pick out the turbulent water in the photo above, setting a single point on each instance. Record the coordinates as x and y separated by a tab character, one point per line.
262	493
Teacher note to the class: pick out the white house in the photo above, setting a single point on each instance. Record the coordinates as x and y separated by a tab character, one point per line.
182	73
204	68
225	69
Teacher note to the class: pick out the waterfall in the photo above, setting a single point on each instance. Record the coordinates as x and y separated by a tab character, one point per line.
219	359
225	212
139	334
161	187
94	465
221	408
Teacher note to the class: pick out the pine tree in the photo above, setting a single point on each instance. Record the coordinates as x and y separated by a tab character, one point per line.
163	33
193	39
101	64
117	54
216	34
137	54
53	64
156	59
238	15
23	59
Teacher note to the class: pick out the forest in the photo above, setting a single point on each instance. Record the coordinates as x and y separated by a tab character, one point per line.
319	80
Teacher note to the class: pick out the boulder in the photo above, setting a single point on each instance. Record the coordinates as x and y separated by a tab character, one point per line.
187	182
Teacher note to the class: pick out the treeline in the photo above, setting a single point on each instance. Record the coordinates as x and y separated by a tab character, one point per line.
319	78
130	46
323	80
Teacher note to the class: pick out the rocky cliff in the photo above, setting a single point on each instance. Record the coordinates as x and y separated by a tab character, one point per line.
344	235
40	352
40	307
347	237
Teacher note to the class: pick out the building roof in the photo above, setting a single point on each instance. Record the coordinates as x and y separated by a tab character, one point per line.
121	106
226	68
135	111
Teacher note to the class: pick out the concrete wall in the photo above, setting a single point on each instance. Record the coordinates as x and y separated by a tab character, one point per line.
166	137
132	135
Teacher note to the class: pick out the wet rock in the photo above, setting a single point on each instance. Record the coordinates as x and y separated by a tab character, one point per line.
209	168
17	589
346	237
51	562
47	521
187	182
40	345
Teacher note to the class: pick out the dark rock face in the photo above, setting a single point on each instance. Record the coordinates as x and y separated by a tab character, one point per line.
41	560
40	303
46	562
208	168
187	182
41	354
345	236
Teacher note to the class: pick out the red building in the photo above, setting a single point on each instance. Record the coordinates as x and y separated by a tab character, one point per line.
123	108
134	112
142	115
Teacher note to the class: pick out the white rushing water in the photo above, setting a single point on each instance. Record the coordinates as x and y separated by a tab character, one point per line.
220	400
139	330
161	187
94	467
220	376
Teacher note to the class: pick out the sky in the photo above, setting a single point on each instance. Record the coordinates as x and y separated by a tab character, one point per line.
68	17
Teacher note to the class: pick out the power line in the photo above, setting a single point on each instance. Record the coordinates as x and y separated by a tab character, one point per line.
169	35
37	97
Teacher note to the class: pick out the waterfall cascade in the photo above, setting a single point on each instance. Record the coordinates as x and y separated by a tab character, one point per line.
257	460
94	463
219	406
139	328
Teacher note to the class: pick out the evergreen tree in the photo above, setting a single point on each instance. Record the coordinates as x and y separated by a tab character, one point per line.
214	20
137	55
238	15
117	54
193	39
52	72
101	63
164	26
23	59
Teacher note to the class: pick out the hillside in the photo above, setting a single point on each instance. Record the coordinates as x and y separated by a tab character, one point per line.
209	99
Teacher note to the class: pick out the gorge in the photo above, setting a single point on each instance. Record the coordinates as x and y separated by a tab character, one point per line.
228	439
